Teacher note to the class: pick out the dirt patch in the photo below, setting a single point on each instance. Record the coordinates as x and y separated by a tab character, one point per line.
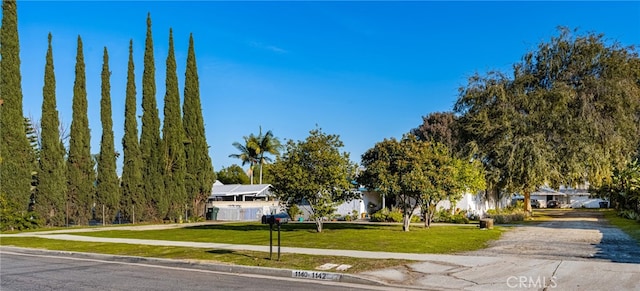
570	235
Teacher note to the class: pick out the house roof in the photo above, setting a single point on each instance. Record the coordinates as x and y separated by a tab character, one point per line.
260	190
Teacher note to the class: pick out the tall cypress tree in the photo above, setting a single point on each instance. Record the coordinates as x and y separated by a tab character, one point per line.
80	172
200	175
15	152
150	144
173	138
132	195
50	201
107	186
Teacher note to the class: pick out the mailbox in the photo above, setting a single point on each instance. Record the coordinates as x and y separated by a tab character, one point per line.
280	218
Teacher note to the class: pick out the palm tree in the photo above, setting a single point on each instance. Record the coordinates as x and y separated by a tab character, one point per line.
265	144
248	153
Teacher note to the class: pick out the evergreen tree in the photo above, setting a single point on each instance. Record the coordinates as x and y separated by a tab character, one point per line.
80	171
200	175
150	143
107	184
50	201
15	151
132	195
173	139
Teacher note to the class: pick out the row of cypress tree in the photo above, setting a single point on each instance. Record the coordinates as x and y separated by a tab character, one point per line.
163	177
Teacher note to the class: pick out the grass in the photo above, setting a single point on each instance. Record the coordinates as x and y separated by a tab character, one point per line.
247	258
346	236
630	227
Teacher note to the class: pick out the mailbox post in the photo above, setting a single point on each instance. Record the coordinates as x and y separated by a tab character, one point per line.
276	219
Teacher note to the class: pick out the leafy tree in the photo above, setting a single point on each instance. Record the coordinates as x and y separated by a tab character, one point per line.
248	153
50	199
314	173
439	127
264	144
569	115
589	87
233	174
151	150
200	175
80	171
414	172
173	138
15	151
107	184
132	195
623	192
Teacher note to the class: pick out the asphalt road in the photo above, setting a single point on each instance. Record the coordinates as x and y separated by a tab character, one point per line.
24	271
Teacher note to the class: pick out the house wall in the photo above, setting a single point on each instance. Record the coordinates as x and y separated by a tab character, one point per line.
244	211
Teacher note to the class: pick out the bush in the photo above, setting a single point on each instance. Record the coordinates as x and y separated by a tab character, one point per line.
507	215
629	214
444	215
395	215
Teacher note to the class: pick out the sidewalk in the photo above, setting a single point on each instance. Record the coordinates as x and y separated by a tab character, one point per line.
443	272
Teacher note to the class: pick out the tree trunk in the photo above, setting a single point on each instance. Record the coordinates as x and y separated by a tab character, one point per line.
260	172
319	224
406	221
527	202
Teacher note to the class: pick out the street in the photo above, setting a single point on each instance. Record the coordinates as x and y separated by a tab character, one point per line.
22	271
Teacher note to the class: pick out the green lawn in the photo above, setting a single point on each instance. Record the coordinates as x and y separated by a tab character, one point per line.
631	227
369	237
366	237
246	258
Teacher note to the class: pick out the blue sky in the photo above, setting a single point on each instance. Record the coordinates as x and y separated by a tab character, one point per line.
363	70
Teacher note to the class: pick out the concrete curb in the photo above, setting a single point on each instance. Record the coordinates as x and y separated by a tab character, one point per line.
199	265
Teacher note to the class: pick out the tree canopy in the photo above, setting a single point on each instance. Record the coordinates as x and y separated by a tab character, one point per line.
313	173
568	115
233	174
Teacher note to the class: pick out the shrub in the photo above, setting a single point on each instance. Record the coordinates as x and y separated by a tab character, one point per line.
395	215
444	215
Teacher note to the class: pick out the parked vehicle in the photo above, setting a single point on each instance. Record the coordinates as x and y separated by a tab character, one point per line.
553	204
535	203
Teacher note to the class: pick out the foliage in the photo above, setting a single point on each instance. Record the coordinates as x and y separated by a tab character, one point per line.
444	215
15	151
131	185
51	192
248	154
13	219
440	127
314	173
623	190
393	215
200	175
107	184
151	150
80	166
418	174
233	174
512	213
173	138
264	144
568	114
293	210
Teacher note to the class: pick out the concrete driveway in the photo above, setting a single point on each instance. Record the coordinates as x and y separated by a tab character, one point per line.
571	235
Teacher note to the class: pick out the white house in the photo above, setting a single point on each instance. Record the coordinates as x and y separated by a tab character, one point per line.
241	202
568	197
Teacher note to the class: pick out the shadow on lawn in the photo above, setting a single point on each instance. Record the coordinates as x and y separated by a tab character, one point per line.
311	227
